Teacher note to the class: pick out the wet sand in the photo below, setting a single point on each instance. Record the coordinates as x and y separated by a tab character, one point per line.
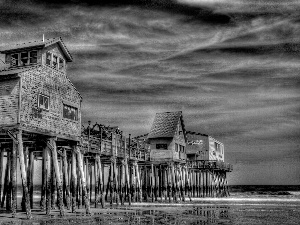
233	210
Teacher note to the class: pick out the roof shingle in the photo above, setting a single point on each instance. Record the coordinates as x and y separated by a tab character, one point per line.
165	124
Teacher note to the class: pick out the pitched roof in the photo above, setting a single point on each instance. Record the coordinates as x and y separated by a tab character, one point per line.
165	124
38	44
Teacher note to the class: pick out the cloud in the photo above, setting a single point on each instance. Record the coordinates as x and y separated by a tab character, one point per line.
237	80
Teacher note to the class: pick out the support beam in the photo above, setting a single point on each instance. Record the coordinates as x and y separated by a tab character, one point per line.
84	191
1	170
48	181
73	181
51	144
23	174
13	172
66	179
44	181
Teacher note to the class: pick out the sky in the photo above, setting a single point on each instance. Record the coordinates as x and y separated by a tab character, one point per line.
231	66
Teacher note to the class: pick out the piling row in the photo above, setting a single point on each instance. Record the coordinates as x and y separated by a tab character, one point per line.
72	179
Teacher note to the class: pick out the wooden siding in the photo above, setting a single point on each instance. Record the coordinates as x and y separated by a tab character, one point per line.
57	86
161	154
178	139
213	153
9	101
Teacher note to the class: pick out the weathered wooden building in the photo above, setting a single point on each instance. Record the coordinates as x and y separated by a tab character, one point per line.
167	138
40	112
204	147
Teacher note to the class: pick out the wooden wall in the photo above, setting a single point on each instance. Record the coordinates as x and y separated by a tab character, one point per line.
57	86
9	101
215	154
178	139
161	154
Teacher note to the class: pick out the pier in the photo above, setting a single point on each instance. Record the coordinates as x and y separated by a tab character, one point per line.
95	165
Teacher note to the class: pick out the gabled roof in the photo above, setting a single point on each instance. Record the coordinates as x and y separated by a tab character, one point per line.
165	124
39	44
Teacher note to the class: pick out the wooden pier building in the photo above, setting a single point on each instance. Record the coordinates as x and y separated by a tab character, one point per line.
40	120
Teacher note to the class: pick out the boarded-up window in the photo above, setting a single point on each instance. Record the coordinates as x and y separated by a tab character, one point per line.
70	112
43	101
161	146
14	59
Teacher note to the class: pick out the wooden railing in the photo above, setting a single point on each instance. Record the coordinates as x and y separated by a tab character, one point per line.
115	146
205	164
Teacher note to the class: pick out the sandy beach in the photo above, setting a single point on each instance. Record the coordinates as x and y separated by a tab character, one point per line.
232	210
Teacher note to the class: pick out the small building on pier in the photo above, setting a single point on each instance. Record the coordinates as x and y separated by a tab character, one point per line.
203	147
167	137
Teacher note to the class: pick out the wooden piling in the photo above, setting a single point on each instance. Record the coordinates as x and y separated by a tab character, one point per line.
48	181
74	181
66	179
138	181
116	183
8	191
170	188
1	171
152	182
165	183
13	173
80	198
6	180
87	175
123	181
44	181
23	174
84	191
127	184
101	182
96	174
30	170
52	145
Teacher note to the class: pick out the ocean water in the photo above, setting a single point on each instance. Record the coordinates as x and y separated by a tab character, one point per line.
246	205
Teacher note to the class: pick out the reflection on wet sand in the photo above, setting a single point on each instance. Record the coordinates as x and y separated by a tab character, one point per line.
200	215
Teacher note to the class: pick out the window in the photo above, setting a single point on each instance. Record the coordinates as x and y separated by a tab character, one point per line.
54	62
48	58
33	57
161	146
176	147
43	102
70	112
61	64
24	58
181	148
14	59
